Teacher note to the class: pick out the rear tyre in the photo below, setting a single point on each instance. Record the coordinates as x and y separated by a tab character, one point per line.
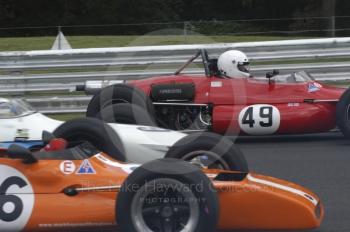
94	131
119	93
209	150
343	113
126	113
167	195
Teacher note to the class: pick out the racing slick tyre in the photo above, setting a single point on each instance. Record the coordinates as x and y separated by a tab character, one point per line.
126	113
343	113
167	195
209	150
94	131
119	93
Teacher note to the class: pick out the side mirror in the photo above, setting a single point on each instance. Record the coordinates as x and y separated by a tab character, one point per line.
275	72
17	151
46	137
269	75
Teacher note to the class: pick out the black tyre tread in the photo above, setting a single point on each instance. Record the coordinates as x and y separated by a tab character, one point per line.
119	91
126	113
168	168
213	142
98	133
341	113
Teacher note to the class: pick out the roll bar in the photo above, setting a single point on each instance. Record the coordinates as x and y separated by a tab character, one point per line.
205	60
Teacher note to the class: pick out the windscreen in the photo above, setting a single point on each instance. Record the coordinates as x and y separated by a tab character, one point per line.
15	108
296	77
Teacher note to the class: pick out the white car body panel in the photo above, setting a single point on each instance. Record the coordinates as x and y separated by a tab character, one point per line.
144	143
141	143
34	124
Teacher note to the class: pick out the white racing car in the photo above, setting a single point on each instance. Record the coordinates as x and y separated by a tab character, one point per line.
21	124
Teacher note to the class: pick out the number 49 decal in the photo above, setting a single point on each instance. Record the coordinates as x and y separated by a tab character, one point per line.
259	119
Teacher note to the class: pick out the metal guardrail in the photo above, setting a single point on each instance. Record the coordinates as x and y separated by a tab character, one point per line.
60	105
62	70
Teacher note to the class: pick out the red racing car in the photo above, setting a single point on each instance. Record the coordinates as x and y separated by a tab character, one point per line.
279	104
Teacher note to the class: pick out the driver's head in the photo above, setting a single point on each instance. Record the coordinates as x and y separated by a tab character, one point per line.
234	64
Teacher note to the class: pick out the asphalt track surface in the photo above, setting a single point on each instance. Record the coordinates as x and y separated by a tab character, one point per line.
320	162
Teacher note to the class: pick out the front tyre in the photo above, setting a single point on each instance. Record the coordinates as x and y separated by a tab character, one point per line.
209	150
343	113
97	133
126	113
119	93
167	195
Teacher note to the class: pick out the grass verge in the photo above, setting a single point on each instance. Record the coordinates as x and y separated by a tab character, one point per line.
43	43
66	117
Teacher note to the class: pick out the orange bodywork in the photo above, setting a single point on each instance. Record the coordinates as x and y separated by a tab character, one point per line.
256	202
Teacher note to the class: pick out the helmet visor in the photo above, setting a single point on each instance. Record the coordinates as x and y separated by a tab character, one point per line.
243	67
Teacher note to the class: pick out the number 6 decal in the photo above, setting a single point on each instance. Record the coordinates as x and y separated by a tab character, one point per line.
16	199
16	202
261	119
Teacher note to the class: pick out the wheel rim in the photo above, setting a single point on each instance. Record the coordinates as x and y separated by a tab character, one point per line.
165	205
206	159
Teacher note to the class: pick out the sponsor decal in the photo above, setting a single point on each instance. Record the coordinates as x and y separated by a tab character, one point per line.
75	225
16	199
67	167
293	104
86	168
313	87
216	84
260	119
22	134
170	91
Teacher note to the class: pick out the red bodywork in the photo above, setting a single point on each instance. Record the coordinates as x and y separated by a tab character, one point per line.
299	106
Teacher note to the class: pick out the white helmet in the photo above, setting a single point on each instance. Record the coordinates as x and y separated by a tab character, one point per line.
234	64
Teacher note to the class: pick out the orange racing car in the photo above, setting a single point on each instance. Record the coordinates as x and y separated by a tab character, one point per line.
80	188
